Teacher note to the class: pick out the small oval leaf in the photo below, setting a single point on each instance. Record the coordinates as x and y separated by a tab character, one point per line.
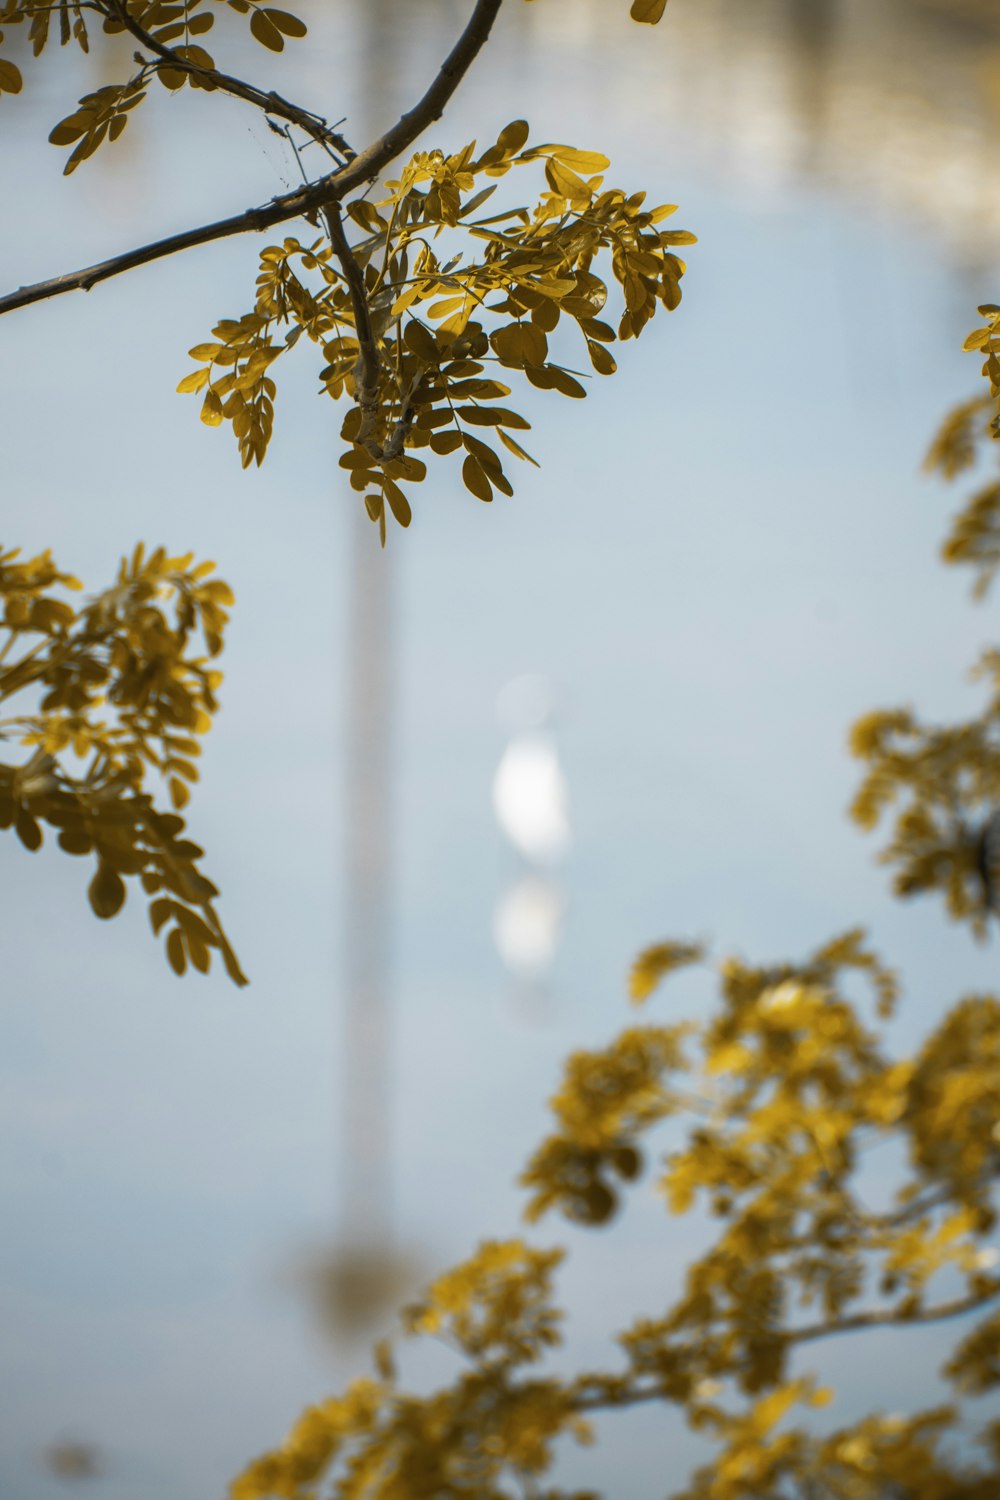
106	892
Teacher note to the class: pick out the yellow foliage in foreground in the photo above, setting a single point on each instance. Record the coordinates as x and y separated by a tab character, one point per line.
774	1102
119	691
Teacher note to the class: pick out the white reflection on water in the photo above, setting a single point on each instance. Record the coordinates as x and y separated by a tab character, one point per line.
527	925
531	804
531	799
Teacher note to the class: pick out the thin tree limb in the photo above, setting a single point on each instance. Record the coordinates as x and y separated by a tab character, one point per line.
620	1393
368	366
368	369
304	201
894	1318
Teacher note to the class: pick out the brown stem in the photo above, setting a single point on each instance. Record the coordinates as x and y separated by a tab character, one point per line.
620	1393
893	1318
368	366
332	188
368	369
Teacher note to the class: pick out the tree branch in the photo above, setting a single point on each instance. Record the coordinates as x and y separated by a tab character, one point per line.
917	1207
368	365
307	200
893	1318
619	1393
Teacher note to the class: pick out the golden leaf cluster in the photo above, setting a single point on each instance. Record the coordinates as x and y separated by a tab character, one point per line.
119	691
447	321
655	963
767	1112
946	782
974	537
169	24
986	340
944	779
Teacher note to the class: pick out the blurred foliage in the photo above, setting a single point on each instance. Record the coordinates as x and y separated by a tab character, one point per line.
974	538
946	778
116	691
777	1100
946	835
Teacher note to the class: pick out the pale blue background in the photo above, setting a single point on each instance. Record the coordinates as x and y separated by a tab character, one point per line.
728	554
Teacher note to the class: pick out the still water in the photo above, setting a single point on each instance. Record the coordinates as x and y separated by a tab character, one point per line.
727	554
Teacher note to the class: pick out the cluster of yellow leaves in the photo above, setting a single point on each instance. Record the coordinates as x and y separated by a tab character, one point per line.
607	1099
791	1088
946	834
494	1421
170	23
100	116
946	778
119	690
655	963
986	340
39	15
173	24
974	537
880	1456
446	323
495	1308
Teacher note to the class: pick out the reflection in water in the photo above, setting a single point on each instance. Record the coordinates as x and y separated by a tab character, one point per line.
362	1278
894	102
531	803
527	926
354	1290
530	798
71	1459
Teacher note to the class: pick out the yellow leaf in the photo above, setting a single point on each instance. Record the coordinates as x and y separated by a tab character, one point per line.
288	24
649	11
565	182
398	503
421	341
520	344
179	793
192	382
211	411
10	78
106	892
581	161
514	447
601	358
28	830
475	479
654	964
267	33
176	956
976	340
513	136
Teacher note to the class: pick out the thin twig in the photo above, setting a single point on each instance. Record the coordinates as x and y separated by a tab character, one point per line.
272	103
626	1395
894	1318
